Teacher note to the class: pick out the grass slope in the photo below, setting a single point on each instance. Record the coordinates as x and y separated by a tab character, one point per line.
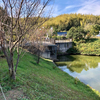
42	82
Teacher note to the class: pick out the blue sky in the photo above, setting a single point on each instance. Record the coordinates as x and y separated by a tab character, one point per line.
76	6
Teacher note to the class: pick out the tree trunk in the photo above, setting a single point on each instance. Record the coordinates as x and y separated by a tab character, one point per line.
38	60
12	74
38	57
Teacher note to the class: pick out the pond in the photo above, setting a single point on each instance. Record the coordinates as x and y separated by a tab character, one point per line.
85	68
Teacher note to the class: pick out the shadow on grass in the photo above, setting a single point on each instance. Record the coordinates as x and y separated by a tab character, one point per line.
91	40
34	63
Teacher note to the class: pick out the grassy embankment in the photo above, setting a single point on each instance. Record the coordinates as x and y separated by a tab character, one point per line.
43	82
89	47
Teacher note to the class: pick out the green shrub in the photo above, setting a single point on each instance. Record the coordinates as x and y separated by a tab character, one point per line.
73	50
91	47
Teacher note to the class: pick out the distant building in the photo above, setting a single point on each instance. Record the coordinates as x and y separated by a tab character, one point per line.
61	33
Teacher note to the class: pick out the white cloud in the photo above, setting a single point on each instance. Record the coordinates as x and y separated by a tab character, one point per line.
81	6
58	11
68	7
90	7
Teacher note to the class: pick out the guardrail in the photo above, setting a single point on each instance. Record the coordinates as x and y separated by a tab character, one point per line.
62	41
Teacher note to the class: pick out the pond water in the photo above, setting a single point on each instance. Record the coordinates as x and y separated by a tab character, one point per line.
85	68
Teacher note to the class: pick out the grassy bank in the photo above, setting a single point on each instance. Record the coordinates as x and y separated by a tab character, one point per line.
42	82
89	47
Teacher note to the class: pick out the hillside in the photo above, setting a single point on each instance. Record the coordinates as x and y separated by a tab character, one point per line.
66	21
41	81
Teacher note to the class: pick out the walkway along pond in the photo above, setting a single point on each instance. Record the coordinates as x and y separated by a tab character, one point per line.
85	68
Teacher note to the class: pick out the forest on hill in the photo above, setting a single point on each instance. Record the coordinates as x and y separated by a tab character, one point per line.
89	23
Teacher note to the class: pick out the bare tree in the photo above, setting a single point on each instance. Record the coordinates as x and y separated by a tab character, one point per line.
24	15
50	32
37	42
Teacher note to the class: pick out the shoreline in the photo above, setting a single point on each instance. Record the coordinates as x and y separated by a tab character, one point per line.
76	54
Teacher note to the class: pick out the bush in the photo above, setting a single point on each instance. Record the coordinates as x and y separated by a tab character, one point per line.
91	47
73	50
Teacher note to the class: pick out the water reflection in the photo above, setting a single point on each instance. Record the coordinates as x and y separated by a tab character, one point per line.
78	62
86	68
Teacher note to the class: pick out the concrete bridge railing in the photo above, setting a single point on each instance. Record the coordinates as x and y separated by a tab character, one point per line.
63	41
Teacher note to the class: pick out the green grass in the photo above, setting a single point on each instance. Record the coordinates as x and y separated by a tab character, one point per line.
43	82
1	53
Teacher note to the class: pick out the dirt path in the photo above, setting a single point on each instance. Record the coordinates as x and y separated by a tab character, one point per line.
13	95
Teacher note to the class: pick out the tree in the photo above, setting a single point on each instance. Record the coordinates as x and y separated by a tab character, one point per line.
76	33
24	15
70	33
50	32
37	41
95	29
